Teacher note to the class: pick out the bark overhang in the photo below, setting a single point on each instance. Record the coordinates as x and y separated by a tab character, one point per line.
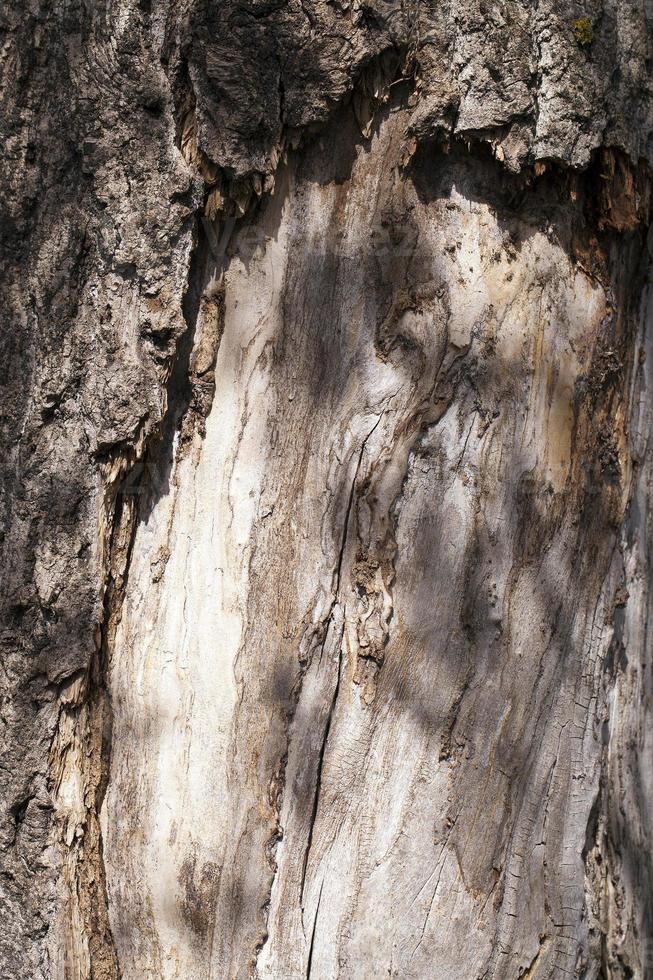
524	73
556	86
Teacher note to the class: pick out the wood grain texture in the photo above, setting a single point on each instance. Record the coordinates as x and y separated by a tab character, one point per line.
362	674
324	513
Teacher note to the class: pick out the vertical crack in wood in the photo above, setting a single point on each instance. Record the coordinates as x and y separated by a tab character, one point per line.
309	963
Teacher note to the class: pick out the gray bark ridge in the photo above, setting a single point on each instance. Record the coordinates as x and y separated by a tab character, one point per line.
121	127
544	81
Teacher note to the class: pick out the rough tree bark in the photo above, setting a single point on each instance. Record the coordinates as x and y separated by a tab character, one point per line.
326	492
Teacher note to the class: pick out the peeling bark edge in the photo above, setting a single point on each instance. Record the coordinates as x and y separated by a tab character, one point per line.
142	449
619	198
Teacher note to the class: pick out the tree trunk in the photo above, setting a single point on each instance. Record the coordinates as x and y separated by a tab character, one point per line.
327	517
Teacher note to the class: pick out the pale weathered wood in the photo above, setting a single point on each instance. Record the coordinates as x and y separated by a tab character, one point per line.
327	534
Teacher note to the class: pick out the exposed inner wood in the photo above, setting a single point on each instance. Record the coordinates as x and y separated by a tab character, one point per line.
325	495
357	709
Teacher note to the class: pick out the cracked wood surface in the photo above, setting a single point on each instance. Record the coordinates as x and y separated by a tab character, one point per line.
358	710
449	760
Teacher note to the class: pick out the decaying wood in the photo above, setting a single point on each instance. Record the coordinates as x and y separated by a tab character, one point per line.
326	496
